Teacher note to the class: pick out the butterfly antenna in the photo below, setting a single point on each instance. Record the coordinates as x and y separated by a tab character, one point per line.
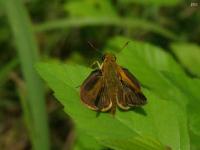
91	45
125	45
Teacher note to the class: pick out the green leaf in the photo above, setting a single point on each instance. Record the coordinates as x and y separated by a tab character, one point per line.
195	145
86	142
143	129
189	56
190	88
160	72
153	2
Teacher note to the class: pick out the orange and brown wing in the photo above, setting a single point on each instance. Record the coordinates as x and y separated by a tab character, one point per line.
103	101
130	94
93	92
129	78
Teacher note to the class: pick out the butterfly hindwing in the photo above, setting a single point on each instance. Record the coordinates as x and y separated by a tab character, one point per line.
103	101
132	97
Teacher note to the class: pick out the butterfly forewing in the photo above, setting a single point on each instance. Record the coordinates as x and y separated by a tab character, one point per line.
131	78
90	89
93	92
130	91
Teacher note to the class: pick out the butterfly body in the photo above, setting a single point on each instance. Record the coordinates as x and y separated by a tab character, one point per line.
111	86
110	78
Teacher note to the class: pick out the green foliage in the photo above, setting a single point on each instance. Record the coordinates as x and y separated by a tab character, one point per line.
166	76
94	8
153	2
189	55
128	23
101	13
33	99
167	119
86	142
6	70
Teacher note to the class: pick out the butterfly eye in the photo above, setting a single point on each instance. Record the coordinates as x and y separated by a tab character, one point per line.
104	56
115	58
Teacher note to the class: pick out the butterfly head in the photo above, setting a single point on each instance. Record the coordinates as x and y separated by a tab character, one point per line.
109	57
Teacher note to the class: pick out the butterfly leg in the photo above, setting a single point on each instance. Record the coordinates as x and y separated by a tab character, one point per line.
96	63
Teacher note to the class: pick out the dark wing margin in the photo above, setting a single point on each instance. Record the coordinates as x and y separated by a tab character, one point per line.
91	88
93	92
130	94
132	97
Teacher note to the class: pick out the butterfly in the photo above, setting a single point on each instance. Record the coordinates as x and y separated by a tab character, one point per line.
110	86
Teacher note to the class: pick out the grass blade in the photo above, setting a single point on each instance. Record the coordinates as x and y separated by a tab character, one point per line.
28	55
115	21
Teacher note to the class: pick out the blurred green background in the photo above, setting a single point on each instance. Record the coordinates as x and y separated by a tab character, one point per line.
59	30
